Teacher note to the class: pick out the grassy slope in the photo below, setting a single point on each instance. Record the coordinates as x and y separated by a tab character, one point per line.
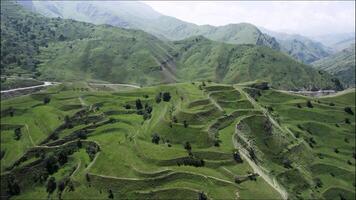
341	64
205	59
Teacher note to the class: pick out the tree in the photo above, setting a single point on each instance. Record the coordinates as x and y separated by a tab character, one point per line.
237	157
166	96
202	196
349	110
51	185
46	100
155	138
127	106
185	123
62	158
111	195
138	104
13	187
347	121
60	188
309	104
187	146
159	97
51	163
18	133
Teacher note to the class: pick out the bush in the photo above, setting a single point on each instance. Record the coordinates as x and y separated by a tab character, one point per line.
46	100
237	157
166	96
51	185
347	121
309	104
17	133
138	104
187	146
202	196
51	163
155	138
185	123
159	97
349	110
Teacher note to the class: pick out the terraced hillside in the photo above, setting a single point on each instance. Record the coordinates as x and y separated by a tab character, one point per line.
188	141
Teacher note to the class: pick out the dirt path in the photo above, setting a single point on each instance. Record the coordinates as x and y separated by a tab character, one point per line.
115	84
29	135
259	170
212	100
45	84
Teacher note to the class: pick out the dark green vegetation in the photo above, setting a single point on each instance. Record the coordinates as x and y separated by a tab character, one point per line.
65	50
341	64
188	140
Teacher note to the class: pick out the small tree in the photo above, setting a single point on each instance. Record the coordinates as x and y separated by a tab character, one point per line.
309	104
349	110
127	106
51	185
187	146
155	138
347	121
237	157
46	100
111	195
51	163
18	133
166	96
202	196
159	97
138	104
185	123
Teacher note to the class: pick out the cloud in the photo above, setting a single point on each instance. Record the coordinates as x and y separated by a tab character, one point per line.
302	17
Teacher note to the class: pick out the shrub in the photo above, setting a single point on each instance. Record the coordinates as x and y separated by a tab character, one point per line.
166	96
155	138
187	146
347	121
51	185
185	123
46	100
138	104
51	163
17	133
127	106
158	97
331	104
111	195
309	104
202	196
349	110
237	157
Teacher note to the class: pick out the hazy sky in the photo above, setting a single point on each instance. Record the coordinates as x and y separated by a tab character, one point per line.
303	17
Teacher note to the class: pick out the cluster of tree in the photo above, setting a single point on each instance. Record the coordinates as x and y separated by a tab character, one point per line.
23	33
191	161
13	187
17	133
144	111
252	154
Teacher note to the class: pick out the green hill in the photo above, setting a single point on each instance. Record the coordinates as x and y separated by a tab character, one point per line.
96	142
67	50
341	64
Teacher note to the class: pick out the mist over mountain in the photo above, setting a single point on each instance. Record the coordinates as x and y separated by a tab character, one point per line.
138	15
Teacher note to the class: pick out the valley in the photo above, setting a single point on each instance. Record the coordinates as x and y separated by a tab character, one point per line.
114	100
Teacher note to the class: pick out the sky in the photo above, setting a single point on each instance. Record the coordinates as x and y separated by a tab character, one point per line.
300	17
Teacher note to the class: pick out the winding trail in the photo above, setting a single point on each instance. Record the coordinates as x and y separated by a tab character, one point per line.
115	84
45	84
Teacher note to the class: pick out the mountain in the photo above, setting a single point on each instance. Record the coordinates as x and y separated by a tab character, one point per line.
341	64
67	50
137	15
338	41
300	47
